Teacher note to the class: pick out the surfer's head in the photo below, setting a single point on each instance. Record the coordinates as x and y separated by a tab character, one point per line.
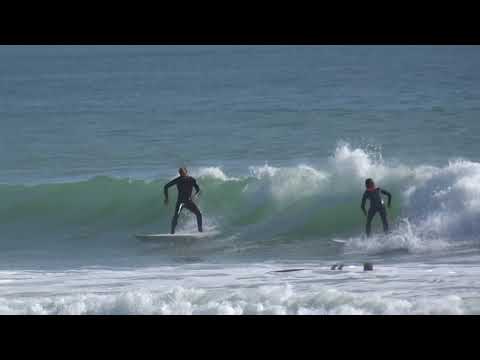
183	171
369	184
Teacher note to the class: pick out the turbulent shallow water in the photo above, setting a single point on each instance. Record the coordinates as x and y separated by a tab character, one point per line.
280	139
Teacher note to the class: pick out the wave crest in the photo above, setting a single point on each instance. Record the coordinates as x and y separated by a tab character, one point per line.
269	202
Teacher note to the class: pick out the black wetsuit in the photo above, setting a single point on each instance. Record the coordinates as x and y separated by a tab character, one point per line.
185	185
376	204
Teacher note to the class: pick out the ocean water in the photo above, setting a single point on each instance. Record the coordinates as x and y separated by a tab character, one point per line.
280	139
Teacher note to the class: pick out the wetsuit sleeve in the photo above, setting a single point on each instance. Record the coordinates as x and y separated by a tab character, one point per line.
195	185
364	199
389	196
171	183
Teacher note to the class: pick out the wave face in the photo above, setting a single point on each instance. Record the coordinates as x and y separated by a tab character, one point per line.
300	203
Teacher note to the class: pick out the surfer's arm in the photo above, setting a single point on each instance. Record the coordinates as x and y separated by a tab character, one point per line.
364	199
384	192
165	188
197	188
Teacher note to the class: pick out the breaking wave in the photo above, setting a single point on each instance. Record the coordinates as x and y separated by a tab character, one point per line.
432	206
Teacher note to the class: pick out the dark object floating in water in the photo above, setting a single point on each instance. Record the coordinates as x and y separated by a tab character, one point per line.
337	267
288	270
367	267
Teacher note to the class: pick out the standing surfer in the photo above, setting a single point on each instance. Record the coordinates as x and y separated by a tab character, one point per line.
185	185
376	205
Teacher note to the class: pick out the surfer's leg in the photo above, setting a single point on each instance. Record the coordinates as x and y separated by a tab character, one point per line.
175	217
370	215
193	208
383	215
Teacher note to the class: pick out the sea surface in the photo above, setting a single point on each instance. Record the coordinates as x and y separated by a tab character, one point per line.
280	140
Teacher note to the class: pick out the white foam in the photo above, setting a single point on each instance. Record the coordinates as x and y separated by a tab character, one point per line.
354	162
286	185
262	171
404	237
447	202
246	288
356	165
212	172
274	300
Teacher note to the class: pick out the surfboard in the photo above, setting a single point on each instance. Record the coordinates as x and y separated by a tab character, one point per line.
176	237
339	241
287	270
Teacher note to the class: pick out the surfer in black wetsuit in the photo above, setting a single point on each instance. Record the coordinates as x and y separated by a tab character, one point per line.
185	185
376	204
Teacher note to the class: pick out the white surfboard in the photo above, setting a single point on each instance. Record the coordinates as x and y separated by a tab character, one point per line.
339	241
178	236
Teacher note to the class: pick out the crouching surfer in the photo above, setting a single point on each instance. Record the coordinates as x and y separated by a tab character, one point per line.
185	185
376	205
